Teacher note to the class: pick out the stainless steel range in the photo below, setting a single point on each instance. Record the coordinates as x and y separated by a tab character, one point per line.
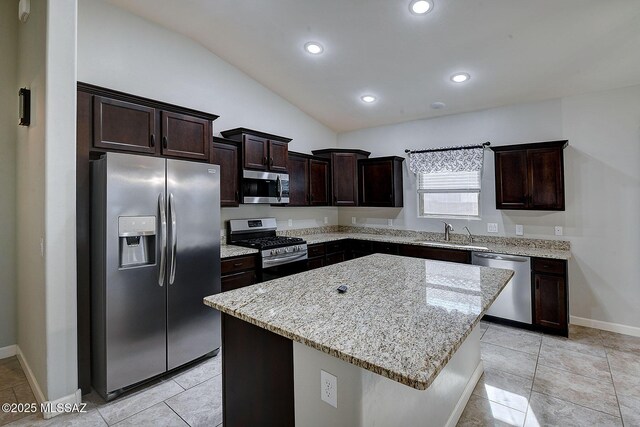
280	255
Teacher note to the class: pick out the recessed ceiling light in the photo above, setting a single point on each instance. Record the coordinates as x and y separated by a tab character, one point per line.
460	77
314	48
420	7
368	98
438	105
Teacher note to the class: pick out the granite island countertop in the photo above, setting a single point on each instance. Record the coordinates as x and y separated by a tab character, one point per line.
402	318
230	251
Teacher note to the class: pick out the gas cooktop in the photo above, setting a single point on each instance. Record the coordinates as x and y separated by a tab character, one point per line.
269	242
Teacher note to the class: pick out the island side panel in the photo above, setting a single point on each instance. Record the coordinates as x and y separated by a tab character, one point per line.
257	376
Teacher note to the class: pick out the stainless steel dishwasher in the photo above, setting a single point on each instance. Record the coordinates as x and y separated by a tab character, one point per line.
514	302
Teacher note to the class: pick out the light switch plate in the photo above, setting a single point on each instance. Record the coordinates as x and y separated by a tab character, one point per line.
290	223
519	230
390	222
326	220
329	388
492	227
558	230
353	220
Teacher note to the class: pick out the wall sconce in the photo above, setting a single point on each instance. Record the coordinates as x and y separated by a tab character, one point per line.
25	106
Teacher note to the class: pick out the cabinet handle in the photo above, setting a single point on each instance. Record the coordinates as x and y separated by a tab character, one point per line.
390	196
164	142
237	264
270	161
264	160
237	195
152	143
311	197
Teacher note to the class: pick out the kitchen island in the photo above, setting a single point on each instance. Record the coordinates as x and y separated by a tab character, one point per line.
402	341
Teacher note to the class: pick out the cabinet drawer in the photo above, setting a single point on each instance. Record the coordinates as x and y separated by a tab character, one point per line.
384	248
544	265
335	258
315	250
237	280
315	263
333	247
237	264
360	245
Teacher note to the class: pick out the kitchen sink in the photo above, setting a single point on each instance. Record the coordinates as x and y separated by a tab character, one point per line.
452	245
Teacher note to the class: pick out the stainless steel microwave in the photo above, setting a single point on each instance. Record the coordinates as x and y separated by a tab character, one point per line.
265	187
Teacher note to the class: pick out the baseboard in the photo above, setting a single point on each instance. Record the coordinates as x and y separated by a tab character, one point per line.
74	398
605	326
7	351
466	394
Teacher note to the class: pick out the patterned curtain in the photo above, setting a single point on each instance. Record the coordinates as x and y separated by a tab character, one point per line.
447	160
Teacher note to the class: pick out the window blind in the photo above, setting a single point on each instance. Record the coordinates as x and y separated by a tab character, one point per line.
449	182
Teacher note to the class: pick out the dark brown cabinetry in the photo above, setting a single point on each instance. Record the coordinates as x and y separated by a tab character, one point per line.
530	176
121	125
344	174
316	256
238	272
224	152
380	182
438	254
185	136
308	180
550	298
261	151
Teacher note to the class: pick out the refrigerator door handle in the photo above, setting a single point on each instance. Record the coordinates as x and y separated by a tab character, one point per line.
174	240
163	239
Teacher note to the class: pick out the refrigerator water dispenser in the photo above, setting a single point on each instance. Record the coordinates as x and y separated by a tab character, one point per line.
137	240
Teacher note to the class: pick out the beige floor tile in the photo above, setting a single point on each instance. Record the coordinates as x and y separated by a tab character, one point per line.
579	346
11	373
625	362
591	393
578	363
481	412
507	360
127	406
200	373
200	405
8	396
24	394
504	388
584	335
88	419
620	342
630	409
626	384
552	412
513	338
159	415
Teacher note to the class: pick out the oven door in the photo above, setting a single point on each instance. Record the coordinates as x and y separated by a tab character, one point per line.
264	187
283	270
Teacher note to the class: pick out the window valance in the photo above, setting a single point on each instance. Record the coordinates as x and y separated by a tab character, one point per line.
466	158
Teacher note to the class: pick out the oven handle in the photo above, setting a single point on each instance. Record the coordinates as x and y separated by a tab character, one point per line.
278	188
302	255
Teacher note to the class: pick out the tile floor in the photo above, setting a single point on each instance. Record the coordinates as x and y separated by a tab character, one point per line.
530	379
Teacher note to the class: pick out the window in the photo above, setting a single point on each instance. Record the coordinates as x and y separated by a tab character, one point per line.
449	193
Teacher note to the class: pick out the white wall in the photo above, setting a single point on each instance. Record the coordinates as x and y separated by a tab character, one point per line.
8	135
119	50
602	187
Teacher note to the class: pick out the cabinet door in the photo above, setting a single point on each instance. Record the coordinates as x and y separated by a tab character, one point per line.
298	181
313	263
439	254
344	174
237	280
226	155
511	179
376	183
185	136
550	301
254	152
546	181
318	182
125	126
278	156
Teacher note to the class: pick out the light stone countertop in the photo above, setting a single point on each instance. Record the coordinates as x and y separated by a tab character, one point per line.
402	318
229	251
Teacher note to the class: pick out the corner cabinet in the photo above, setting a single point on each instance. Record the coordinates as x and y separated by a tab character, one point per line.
261	151
224	152
380	182
308	180
344	174
530	176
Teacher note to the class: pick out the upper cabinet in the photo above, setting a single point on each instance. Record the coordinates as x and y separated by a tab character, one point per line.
344	174
128	123
308	180
530	176
380	181
224	152
261	151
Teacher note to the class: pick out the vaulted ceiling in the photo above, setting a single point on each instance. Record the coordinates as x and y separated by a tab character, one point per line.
515	51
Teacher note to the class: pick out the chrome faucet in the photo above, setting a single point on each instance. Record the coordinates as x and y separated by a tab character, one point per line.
447	228
470	235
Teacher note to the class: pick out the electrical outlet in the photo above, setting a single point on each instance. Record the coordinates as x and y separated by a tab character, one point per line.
519	230
353	220
290	223
558	230
329	388
326	220
390	222
492	227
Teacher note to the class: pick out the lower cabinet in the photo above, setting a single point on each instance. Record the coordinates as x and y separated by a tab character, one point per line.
238	272
438	254
550	296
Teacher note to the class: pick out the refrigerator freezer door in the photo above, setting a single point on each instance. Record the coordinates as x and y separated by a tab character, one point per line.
128	308
193	263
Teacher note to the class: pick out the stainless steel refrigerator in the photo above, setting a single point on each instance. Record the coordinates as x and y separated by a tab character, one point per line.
155	256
